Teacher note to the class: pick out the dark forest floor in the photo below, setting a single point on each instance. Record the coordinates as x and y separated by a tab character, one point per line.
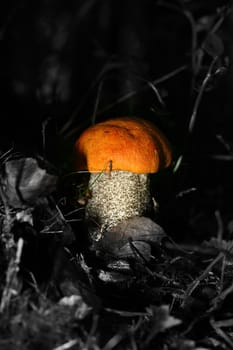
171	63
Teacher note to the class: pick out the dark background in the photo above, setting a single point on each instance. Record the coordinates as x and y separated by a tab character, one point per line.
65	64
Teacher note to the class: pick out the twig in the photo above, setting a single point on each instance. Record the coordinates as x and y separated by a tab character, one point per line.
43	132
4	156
67	345
178	164
114	341
224	13
65	129
153	87
97	100
223	157
124	313
192	23
224	323
109	66
223	295
195	284
222	334
200	94
225	144
6	236
93	329
11	287
183	193
135	92
220	225
222	275
189	17
117	338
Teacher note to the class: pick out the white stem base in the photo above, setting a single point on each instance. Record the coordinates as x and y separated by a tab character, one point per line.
117	196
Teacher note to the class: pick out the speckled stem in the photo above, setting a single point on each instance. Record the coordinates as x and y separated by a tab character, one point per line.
117	196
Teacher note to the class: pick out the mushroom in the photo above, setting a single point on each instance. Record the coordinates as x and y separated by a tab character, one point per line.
120	154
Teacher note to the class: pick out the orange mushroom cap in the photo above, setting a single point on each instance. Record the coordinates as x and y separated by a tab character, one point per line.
127	144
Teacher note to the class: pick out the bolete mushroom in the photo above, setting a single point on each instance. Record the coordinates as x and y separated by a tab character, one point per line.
120	154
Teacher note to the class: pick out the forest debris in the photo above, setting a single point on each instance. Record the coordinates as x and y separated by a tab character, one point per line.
12	286
123	240
25	181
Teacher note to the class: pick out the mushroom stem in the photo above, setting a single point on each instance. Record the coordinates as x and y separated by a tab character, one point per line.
116	196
